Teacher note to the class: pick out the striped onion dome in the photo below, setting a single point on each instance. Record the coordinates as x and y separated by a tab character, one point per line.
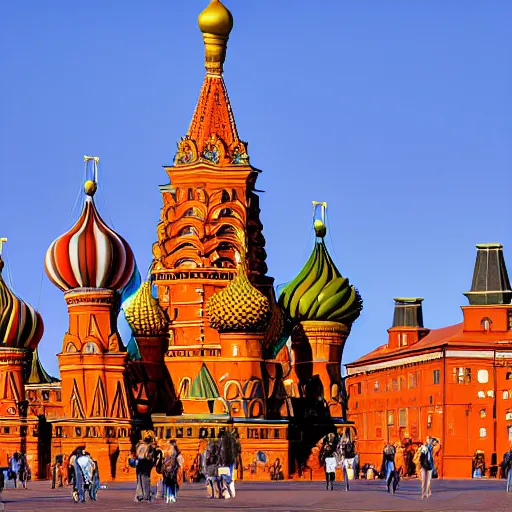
21	326
90	254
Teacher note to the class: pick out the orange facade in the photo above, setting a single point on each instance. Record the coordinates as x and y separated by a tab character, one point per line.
209	348
453	383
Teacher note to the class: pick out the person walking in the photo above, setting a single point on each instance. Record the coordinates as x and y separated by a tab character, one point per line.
144	455
388	466
170	469
427	466
349	459
83	469
507	469
23	470
211	461
328	458
14	468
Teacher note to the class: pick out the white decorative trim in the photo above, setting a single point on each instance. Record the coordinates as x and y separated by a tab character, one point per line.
472	354
395	363
503	355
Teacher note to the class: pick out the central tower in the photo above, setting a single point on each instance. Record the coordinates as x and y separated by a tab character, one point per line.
210	215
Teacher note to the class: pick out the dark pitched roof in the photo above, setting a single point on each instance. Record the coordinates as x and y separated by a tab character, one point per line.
38	374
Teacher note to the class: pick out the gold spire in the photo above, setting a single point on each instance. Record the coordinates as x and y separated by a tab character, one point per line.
144	314
216	23
91	185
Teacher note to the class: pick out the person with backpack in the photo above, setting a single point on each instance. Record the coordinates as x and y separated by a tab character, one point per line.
328	459
388	466
170	469
349	459
427	466
211	461
144	457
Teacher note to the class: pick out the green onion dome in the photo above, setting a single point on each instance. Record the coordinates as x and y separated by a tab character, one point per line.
320	292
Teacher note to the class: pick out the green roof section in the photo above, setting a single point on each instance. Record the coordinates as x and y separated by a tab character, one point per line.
38	374
320	292
204	385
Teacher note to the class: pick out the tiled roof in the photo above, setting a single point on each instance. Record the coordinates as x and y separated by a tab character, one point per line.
452	336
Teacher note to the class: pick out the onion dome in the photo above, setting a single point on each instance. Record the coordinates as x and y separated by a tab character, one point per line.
90	254
21	326
320	292
144	314
239	307
216	19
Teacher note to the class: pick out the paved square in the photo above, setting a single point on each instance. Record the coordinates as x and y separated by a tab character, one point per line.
447	495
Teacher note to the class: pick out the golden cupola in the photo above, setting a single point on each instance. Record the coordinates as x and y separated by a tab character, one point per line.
144	315
216	23
239	307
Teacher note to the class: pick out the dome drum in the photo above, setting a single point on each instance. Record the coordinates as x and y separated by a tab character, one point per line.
241	345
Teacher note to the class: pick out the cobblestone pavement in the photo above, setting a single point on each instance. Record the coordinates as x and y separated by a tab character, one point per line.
447	495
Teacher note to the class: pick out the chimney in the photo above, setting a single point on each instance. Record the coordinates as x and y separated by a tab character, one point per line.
491	285
407	326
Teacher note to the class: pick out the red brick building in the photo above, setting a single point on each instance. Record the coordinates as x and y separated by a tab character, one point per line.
453	383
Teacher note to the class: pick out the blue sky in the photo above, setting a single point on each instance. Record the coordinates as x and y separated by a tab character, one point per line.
396	113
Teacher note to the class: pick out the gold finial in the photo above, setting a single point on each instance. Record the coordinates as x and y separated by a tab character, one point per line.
319	224
216	23
2	242
91	185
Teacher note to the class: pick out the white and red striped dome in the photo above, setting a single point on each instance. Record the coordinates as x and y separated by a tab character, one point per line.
90	254
20	325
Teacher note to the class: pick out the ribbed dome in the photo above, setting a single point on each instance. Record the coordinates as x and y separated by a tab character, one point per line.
90	255
320	292
20	325
216	19
239	306
144	314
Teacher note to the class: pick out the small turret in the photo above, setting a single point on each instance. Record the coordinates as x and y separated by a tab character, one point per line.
490	278
407	326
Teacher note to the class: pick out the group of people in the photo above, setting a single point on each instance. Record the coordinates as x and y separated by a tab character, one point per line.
338	451
424	460
167	461
217	463
78	471
18	470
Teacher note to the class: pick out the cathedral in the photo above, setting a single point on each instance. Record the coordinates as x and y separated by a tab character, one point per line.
214	346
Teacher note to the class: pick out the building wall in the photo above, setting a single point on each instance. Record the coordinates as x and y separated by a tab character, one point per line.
452	399
392	404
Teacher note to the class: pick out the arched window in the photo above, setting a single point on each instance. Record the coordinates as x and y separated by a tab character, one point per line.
225	197
186	263
486	324
226	230
70	347
226	212
91	348
188	231
193	212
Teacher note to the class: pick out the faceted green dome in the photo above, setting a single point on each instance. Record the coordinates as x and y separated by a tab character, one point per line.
320	292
